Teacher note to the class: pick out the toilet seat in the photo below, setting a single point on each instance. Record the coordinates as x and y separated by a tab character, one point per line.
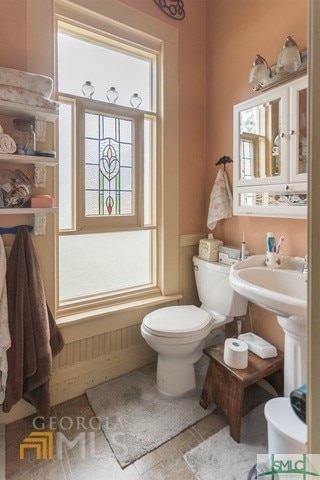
281	416
178	321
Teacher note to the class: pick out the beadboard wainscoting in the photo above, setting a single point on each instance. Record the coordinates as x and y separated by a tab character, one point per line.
102	347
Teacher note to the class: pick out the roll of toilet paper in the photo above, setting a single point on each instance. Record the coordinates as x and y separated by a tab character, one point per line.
235	353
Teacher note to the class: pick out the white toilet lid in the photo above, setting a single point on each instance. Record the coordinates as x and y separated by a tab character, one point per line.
177	321
280	414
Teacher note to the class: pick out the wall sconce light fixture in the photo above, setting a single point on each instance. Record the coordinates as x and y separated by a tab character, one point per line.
259	73
291	63
289	58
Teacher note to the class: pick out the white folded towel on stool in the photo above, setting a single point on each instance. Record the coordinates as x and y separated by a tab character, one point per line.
220	205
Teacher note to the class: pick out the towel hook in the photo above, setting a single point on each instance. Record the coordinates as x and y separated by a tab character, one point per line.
223	160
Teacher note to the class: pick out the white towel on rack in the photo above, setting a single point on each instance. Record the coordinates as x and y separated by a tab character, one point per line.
5	340
220	205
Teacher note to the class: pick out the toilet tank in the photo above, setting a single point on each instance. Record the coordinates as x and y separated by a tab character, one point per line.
214	291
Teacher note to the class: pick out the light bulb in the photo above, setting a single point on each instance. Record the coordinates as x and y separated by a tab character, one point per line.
289	59
259	73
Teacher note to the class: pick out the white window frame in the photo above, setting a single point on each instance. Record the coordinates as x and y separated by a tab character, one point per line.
163	39
101	223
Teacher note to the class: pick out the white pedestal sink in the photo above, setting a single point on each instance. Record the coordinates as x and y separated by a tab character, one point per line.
282	291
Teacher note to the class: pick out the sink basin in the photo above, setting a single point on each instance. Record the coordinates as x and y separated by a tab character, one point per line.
281	291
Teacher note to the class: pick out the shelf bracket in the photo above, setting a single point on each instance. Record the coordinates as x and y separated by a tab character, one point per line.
40	175
40	221
40	128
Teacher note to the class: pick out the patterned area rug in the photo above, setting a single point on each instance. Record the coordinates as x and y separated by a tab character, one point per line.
220	457
136	418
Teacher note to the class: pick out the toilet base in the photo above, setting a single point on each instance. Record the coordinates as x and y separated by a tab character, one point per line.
174	378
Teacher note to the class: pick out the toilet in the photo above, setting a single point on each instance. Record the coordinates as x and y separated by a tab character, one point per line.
287	434
179	333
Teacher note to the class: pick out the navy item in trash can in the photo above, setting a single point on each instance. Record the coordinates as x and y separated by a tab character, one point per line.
298	399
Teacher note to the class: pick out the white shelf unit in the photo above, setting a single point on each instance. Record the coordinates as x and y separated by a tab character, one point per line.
27	159
27	211
29	112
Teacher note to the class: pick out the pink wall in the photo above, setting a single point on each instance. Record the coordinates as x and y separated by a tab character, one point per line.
236	31
13	34
192	91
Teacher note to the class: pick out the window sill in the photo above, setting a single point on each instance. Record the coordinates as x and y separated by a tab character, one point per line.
101	320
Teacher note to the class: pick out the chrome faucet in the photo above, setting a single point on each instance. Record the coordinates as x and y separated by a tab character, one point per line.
305	265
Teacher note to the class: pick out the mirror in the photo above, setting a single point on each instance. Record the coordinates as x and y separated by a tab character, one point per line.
260	150
262	132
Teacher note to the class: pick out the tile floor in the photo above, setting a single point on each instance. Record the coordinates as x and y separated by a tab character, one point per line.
164	463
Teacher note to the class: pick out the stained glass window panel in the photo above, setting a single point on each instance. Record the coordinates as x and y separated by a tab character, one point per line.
126	203
92	176
108	127
109	166
92	125
92	203
92	151
125	151
126	131
126	178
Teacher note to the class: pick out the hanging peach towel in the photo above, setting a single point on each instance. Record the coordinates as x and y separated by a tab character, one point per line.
220	205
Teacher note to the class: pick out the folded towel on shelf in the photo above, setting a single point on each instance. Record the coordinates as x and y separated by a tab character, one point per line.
7	144
28	81
220	205
5	340
26	97
35	337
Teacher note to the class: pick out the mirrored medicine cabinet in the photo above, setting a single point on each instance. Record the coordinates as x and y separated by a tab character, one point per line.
270	153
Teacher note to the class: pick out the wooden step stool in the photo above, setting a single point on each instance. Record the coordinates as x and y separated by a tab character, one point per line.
225	385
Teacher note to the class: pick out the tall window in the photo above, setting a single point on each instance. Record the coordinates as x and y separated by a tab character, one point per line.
108	168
